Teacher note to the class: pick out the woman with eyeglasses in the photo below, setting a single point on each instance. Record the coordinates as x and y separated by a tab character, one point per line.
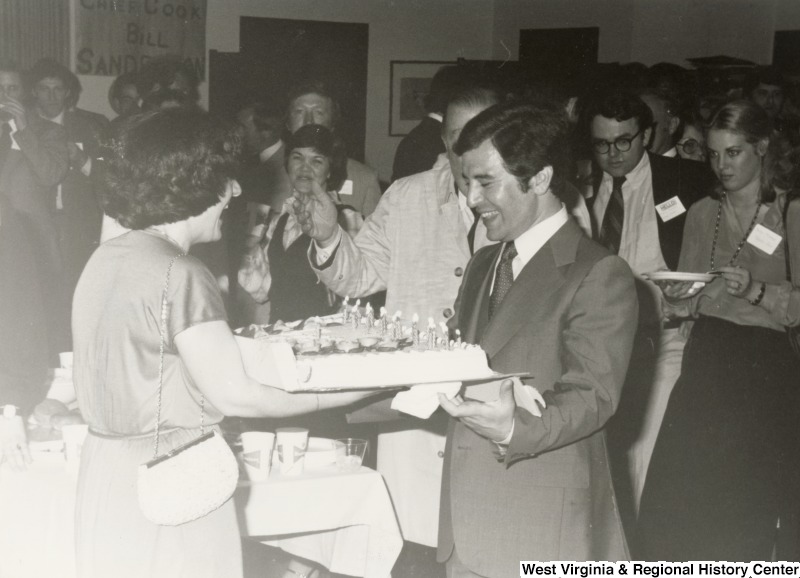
692	144
726	451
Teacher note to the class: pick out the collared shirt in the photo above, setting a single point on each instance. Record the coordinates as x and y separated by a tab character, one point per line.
270	151
639	245
436	116
672	153
531	241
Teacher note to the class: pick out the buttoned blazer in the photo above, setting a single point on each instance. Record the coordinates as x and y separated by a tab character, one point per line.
568	320
689	180
414	246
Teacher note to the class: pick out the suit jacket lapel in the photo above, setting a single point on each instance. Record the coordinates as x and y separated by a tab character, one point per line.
541	276
474	301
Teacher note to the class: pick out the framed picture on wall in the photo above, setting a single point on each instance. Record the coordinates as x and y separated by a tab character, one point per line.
410	84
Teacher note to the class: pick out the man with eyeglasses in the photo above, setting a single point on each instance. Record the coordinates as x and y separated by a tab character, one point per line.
638	206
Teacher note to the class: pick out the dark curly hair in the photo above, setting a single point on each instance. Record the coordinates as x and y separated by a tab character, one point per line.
169	165
528	136
324	142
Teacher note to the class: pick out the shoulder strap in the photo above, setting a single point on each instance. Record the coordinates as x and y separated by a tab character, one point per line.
161	347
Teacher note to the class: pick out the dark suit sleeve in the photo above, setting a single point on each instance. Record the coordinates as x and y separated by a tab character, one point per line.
596	345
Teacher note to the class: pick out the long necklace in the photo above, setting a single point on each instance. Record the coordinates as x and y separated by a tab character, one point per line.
744	239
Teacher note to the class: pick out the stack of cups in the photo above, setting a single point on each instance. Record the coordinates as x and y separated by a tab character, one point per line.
291	443
257	454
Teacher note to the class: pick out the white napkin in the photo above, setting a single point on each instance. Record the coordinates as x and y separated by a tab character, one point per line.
422	400
526	396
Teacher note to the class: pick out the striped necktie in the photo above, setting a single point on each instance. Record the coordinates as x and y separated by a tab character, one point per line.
503	279
611	230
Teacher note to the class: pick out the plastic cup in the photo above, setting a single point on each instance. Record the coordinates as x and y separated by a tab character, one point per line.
257	454
65	359
291	443
350	454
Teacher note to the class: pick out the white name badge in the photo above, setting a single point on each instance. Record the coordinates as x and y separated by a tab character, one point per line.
764	239
670	209
347	188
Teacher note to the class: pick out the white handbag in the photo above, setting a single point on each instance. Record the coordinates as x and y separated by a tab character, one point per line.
193	479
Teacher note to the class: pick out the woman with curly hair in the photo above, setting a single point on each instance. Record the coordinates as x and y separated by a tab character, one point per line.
169	181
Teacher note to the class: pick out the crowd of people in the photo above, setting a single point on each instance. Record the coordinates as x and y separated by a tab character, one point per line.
526	213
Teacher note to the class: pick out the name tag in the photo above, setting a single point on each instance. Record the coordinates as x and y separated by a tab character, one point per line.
347	188
764	239
670	209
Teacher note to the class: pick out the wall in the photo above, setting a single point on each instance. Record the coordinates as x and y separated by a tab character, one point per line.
398	30
649	31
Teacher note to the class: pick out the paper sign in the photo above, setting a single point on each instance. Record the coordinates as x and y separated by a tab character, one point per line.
347	188
670	209
764	239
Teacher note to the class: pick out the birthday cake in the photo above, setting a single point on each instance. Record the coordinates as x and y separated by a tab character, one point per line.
357	351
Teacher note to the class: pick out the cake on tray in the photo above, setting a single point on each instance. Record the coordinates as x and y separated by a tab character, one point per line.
356	351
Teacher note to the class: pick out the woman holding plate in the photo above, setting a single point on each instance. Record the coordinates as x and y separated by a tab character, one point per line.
716	481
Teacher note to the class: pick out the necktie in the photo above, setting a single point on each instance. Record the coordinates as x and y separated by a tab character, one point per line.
611	230
5	142
503	279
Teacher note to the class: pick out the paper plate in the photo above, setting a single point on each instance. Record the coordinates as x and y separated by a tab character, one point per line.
678	276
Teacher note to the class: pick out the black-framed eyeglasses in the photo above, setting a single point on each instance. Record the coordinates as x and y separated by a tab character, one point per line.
623	144
689	146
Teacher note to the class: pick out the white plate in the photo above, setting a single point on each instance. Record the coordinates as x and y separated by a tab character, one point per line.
678	276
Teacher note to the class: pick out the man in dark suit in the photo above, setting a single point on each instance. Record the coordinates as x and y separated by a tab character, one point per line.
549	302
420	148
638	206
33	159
55	92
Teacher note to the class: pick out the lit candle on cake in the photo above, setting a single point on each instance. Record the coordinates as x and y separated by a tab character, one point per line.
370	317
356	314
458	337
384	322
397	329
431	333
345	310
415	330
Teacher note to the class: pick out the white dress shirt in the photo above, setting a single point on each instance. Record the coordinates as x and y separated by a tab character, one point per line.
531	241
639	245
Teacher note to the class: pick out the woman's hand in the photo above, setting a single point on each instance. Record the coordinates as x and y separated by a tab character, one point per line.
739	282
316	214
677	290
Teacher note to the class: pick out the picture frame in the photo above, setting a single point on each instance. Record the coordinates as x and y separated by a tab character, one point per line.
410	83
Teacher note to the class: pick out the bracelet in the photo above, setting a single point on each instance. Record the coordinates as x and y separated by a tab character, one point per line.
760	296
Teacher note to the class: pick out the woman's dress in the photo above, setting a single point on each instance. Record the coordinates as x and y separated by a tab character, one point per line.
116	317
717	478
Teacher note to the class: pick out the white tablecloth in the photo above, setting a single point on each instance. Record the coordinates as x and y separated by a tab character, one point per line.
343	521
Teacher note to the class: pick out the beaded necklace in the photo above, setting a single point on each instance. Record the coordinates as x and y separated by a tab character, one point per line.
744	239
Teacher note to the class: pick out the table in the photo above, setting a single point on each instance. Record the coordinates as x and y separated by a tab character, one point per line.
344	521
